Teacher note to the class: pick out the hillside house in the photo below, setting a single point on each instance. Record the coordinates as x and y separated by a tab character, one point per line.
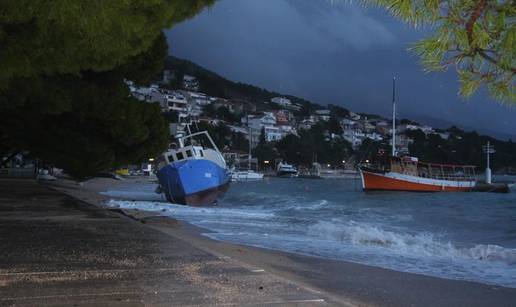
190	83
323	115
284	102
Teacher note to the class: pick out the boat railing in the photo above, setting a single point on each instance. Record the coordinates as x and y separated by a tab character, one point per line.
193	135
435	171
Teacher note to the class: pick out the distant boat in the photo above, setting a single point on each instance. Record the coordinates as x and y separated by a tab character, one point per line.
249	174
409	174
193	175
246	175
286	170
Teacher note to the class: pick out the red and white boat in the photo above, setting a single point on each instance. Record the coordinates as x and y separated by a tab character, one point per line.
408	174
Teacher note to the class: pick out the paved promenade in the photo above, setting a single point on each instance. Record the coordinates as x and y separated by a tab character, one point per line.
55	250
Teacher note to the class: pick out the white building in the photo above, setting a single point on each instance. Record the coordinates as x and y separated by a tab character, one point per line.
142	93
176	102
424	129
198	98
347	123
374	136
190	83
257	122
168	76
354	116
355	136
323	115
273	134
444	135
306	124
287	129
402	143
284	102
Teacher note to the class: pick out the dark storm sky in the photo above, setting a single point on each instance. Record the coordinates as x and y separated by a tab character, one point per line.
331	52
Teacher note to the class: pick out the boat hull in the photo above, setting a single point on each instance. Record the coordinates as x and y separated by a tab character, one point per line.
286	174
399	182
193	182
246	176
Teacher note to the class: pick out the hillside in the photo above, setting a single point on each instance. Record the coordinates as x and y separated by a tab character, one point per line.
217	86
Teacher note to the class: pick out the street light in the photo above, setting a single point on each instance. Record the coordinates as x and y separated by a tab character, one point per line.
266	162
151	160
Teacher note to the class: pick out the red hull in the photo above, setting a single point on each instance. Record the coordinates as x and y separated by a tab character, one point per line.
374	181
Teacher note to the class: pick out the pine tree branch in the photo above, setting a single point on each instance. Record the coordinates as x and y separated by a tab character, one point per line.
479	9
494	61
481	5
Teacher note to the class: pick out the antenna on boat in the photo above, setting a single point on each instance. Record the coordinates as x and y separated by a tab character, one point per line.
394	117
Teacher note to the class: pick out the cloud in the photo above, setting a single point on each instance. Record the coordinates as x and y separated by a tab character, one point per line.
344	25
339	53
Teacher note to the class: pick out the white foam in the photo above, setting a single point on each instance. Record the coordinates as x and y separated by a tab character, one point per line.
187	211
415	245
133	195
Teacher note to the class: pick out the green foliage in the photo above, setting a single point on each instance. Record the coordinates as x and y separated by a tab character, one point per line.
171	117
313	146
478	37
405	121
223	113
333	126
62	95
370	149
224	137
265	152
70	36
262	140
461	148
83	126
338	111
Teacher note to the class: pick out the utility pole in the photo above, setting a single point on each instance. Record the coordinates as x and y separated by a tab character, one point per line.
488	150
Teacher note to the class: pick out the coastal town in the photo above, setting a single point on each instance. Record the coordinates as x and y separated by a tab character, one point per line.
272	121
277	118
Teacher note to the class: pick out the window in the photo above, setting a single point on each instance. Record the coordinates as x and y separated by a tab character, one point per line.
201	153
189	153
170	158
180	156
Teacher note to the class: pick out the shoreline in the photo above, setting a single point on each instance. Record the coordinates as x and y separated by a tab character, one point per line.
345	282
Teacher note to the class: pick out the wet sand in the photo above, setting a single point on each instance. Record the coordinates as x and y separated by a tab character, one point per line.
337	282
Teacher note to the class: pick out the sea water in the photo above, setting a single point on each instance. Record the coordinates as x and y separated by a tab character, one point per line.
465	236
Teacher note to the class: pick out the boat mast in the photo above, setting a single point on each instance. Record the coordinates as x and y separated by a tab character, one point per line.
394	117
250	141
250	144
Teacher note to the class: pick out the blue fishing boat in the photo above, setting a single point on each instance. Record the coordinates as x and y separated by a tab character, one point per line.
193	174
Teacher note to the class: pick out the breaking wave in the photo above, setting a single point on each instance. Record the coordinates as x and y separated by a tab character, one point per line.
414	245
179	210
